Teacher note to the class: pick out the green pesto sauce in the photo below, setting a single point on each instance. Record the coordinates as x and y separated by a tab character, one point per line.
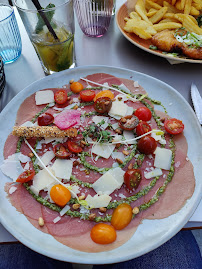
87	165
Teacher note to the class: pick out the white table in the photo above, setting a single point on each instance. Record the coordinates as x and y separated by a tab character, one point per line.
113	50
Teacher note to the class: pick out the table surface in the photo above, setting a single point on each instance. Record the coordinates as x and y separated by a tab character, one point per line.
112	49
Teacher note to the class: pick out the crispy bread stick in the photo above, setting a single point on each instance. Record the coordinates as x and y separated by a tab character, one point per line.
43	131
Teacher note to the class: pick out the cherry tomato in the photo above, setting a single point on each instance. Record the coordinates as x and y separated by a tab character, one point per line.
61	96
45	119
103	104
73	146
128	122
60	195
26	176
143	128
174	126
147	145
87	95
104	93
121	216
143	113
103	233
132	178
76	87
61	151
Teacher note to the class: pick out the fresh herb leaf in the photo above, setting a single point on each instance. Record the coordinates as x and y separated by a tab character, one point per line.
152	47
49	15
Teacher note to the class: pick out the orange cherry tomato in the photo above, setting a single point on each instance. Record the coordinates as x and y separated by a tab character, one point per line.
76	87
103	233
60	195
26	176
104	93
121	216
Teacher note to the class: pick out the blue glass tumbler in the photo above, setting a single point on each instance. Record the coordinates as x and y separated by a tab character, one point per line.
10	40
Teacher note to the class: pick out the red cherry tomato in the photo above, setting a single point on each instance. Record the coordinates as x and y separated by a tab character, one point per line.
60	195
60	96
174	126
26	176
121	216
61	151
87	95
103	104
128	122
45	119
73	146
147	145
132	178
103	233
143	128
143	113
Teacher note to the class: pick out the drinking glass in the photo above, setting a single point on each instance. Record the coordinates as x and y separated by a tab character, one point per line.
10	40
94	16
51	30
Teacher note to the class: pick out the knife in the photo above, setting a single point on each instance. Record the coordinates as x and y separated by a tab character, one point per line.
197	102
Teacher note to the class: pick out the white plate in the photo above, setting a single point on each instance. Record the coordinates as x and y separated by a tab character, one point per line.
149	235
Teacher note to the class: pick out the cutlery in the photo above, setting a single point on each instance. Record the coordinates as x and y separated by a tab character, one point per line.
197	101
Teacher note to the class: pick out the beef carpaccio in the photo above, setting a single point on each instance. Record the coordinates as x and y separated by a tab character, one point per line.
101	168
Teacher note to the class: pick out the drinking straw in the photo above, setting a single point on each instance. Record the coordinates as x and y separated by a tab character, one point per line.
43	16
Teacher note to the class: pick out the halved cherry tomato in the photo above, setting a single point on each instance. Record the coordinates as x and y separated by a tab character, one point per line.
174	126
147	145
121	216
61	96
61	151
104	93
60	195
132	178
143	113
45	119
143	128
103	233
128	122
76	87
87	95
74	146
103	104
26	176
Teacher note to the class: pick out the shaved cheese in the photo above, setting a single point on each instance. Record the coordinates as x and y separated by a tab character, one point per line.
34	190
12	169
28	124
46	158
118	155
154	173
110	181
42	180
98	119
103	150
124	88
129	111
136	84
62	168
163	158
64	210
115	125
12	189
118	108
44	97
158	138
128	135
98	201
26	167
57	219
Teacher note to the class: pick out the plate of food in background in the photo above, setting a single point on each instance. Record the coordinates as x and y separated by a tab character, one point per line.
169	29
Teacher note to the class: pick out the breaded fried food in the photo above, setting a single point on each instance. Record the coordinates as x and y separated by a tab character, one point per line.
166	41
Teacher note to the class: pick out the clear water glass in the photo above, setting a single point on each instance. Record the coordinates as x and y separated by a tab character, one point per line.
94	16
10	40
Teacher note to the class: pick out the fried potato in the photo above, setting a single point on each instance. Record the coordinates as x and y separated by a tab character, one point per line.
140	9
142	33
149	4
189	25
151	12
173	2
166	25
187	7
181	17
197	4
159	15
171	9
169	20
134	15
130	24
194	11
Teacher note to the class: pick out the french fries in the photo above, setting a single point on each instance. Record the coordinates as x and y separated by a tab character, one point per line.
152	16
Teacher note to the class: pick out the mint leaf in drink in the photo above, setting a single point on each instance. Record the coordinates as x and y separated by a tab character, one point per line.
49	16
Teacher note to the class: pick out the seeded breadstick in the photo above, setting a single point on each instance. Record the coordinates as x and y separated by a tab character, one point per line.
43	131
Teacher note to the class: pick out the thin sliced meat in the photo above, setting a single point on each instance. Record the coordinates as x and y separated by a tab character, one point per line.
15	196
